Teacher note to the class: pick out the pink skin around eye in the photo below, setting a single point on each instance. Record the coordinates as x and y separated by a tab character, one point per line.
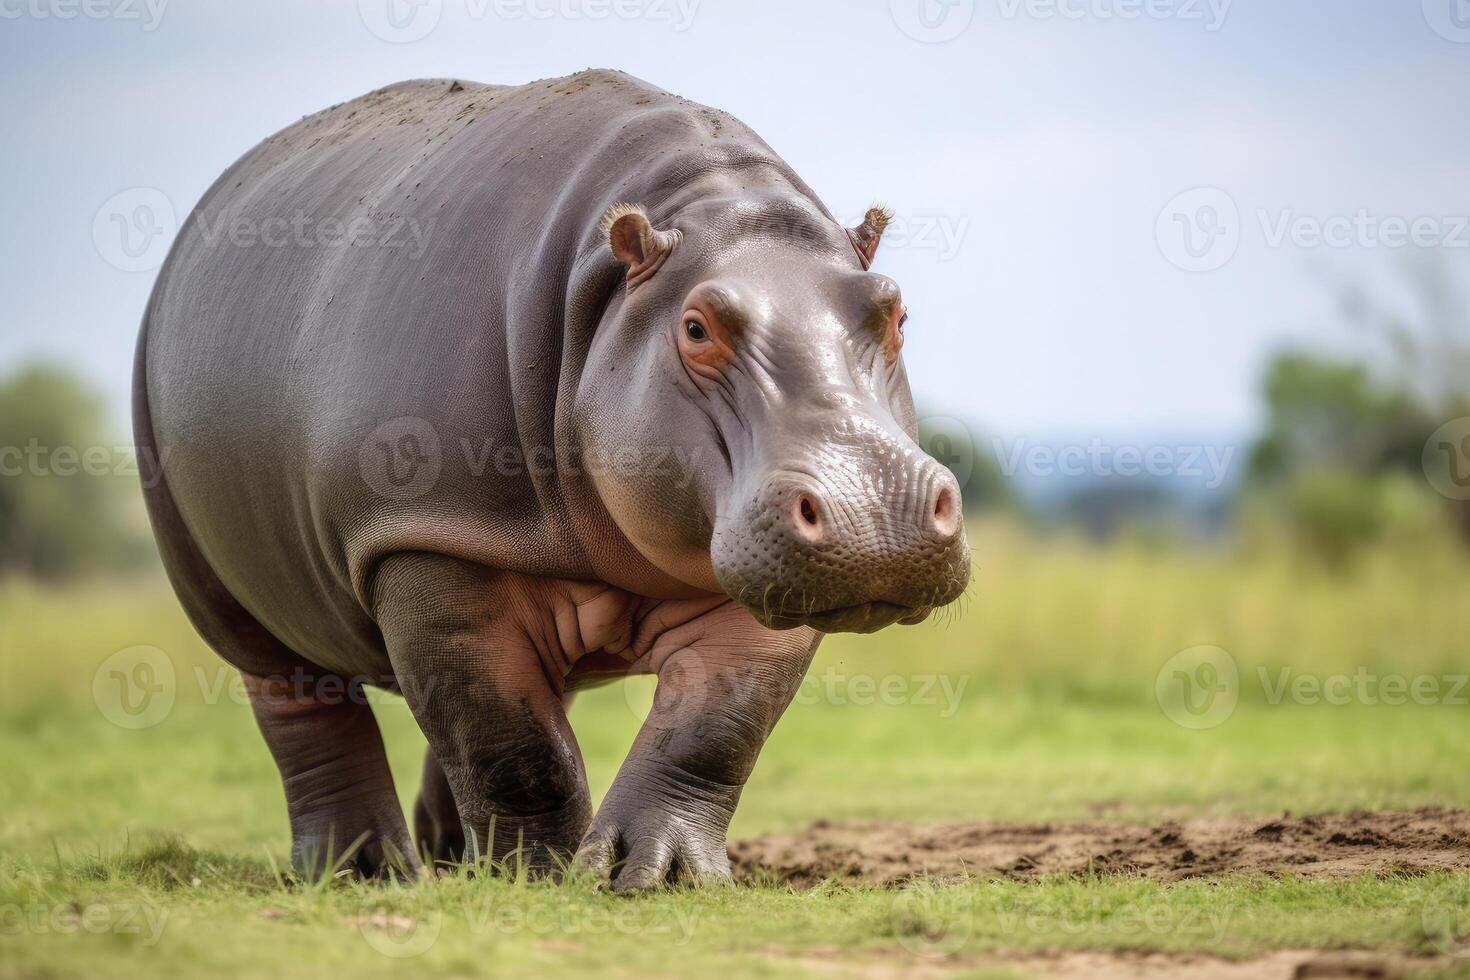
893	336
704	358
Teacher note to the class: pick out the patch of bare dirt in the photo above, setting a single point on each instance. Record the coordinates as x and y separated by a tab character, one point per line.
1285	965
1281	965
1327	846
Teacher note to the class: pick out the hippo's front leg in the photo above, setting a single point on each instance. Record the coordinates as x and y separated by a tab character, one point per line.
465	649
723	683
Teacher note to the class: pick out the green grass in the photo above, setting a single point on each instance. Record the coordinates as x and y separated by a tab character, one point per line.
158	848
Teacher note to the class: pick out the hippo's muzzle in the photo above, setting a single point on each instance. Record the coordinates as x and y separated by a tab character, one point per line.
851	545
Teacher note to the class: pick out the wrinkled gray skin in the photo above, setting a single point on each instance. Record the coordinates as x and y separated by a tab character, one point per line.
466	457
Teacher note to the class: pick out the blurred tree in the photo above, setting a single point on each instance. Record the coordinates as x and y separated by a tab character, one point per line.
1338	429
68	492
1331	413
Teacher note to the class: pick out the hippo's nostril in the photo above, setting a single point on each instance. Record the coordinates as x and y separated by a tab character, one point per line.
808	519
946	512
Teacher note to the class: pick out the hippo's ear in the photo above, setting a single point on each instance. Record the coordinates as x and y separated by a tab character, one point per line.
635	242
865	237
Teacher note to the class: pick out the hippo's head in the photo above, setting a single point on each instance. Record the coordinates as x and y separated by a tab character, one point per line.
755	355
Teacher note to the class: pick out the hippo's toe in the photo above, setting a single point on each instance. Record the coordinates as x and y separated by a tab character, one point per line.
652	849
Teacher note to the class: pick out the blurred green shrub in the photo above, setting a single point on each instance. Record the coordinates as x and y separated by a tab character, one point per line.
69	499
1336	512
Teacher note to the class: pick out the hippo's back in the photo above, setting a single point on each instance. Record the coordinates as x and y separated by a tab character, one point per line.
376	312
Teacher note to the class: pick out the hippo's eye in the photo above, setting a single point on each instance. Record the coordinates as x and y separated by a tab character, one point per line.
695	331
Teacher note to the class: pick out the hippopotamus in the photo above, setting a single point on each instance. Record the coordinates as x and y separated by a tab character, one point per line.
484	394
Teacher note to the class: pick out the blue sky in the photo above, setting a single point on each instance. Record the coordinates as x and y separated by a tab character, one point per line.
1039	156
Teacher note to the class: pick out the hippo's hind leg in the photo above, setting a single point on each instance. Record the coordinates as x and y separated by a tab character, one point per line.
436	825
339	792
492	713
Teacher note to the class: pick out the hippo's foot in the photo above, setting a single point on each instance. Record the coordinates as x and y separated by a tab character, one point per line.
660	829
355	848
539	845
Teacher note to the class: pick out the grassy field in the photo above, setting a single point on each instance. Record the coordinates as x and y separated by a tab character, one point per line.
153	841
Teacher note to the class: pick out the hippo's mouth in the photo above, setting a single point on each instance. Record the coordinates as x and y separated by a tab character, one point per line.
864	617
